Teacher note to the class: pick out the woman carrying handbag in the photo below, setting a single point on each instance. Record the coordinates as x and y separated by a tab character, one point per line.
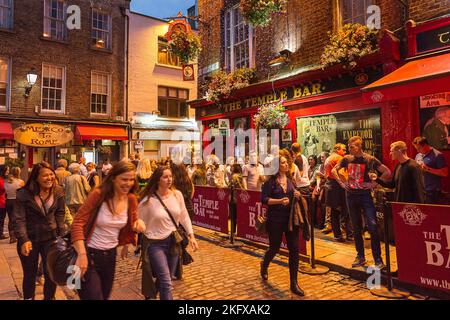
38	219
162	209
106	220
278	193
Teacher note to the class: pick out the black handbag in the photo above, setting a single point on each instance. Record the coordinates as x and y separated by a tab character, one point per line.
61	258
180	236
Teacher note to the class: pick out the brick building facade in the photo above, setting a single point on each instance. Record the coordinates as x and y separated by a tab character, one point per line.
80	73
302	30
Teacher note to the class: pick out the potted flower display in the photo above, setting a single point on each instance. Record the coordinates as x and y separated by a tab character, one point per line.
223	84
185	45
259	12
348	44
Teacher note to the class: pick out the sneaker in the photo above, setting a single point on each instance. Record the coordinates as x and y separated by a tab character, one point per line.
359	262
327	230
12	240
3	237
339	239
380	265
366	235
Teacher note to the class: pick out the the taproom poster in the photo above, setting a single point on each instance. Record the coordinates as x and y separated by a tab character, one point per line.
435	125
321	133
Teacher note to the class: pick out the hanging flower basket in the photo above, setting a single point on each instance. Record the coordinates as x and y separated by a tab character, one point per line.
350	43
271	116
104	150
259	12
223	84
185	45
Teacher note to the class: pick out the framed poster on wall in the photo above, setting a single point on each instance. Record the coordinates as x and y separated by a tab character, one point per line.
320	133
435	120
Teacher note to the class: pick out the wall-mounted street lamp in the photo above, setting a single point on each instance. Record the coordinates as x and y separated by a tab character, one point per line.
31	79
283	59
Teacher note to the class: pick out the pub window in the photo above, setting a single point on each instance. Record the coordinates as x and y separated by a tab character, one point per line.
55	20
4	83
101	29
100	93
172	102
165	56
355	11
53	88
238	41
6	14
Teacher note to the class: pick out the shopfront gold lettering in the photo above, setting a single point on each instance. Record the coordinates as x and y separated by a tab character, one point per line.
444	37
283	95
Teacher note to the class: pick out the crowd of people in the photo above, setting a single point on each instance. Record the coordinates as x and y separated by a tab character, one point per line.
101	212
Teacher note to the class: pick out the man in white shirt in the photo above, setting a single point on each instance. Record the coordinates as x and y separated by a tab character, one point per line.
83	169
253	173
301	178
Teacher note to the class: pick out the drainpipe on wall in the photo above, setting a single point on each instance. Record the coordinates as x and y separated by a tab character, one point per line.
125	12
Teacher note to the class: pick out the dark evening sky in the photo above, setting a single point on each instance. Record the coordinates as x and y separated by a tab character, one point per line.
161	8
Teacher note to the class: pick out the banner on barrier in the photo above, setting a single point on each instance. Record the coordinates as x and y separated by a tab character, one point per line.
211	208
422	239
249	207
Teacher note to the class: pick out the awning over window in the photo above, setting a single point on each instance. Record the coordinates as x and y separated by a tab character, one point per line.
414	79
88	132
6	131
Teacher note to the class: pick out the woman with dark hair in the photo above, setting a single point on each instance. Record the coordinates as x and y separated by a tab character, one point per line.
38	218
106	220
162	208
278	193
183	183
236	182
13	184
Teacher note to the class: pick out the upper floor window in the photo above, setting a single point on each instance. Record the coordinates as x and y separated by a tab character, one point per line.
4	83
238	41
165	56
172	102
354	11
100	93
53	88
6	14
55	20
101	29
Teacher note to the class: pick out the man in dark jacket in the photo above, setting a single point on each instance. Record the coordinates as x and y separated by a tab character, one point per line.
407	179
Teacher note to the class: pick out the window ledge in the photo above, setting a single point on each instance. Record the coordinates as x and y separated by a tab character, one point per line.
100	116
168	66
54	40
5	111
54	114
11	31
102	50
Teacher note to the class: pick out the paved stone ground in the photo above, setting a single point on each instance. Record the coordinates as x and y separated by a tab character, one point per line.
227	273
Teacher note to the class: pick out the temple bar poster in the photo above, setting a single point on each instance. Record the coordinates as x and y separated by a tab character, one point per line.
320	133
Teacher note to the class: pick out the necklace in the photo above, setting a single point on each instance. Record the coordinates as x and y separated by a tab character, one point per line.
283	183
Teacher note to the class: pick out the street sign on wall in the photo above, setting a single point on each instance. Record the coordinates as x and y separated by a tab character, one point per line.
42	135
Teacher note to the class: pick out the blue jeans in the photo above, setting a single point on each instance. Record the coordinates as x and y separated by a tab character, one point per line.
364	202
164	266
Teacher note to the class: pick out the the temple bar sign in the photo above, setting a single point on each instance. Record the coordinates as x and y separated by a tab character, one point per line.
42	135
286	94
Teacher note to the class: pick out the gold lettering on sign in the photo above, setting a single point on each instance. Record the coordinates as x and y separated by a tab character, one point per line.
316	89
261	100
297	92
306	92
444	37
283	95
247	102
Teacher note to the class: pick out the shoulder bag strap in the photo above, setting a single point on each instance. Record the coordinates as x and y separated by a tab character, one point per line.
167	210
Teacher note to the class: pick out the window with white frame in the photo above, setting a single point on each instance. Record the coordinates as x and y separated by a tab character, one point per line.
100	93
238	41
164	54
172	102
6	14
354	11
55	20
4	83
101	29
53	88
